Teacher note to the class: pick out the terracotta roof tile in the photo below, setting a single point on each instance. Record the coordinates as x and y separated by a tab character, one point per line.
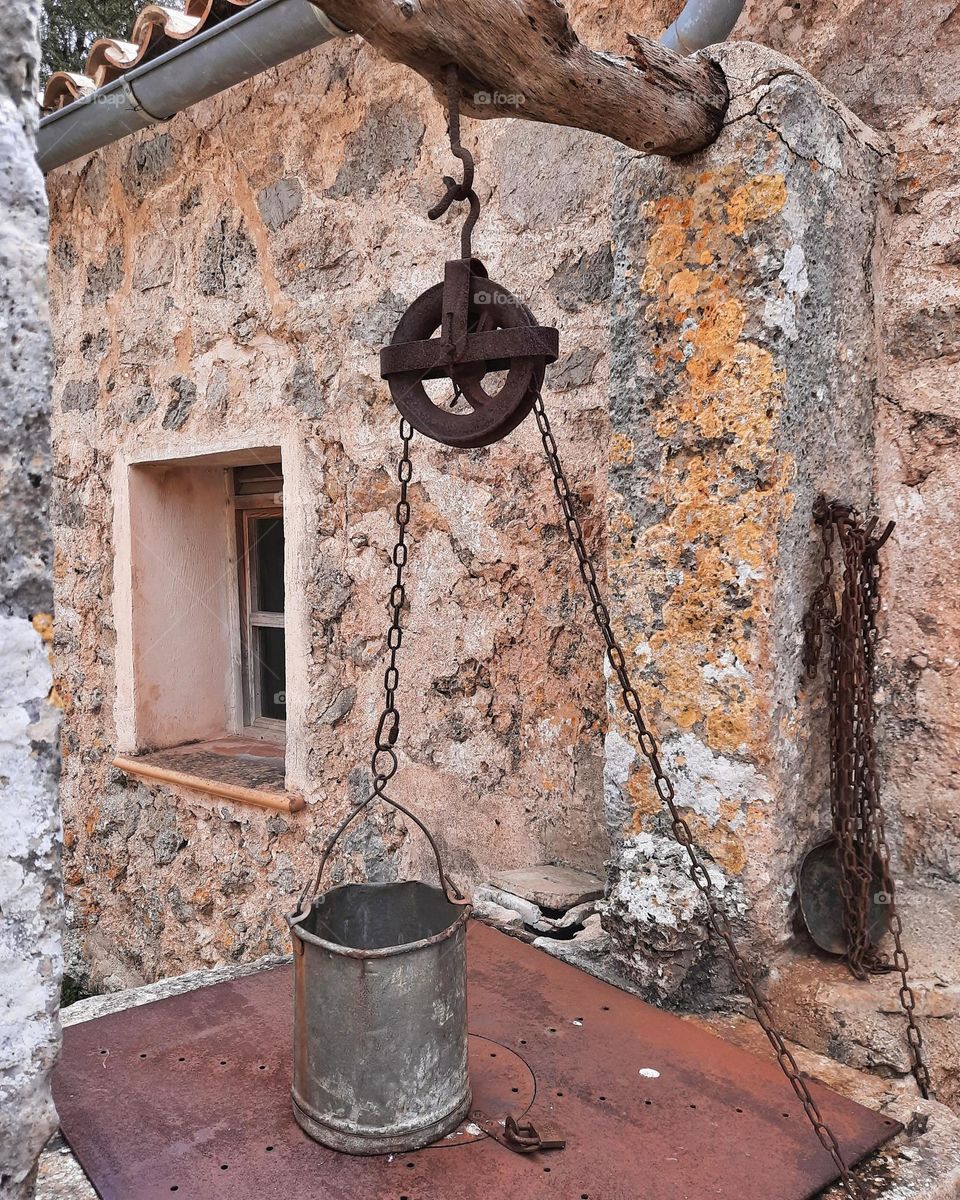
156	30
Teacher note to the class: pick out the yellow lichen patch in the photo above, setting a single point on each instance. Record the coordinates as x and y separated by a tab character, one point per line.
726	848
760	197
621	450
43	624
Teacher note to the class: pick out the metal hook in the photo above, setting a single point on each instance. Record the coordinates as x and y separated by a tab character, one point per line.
463	190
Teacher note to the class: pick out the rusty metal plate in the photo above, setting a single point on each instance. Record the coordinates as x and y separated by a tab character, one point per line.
189	1099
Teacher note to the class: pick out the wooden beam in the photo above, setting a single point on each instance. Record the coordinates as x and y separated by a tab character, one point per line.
522	58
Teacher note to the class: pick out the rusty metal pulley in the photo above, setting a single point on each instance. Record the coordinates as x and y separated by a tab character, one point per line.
464	331
482	329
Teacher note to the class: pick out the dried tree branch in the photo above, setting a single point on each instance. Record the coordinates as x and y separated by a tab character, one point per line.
522	58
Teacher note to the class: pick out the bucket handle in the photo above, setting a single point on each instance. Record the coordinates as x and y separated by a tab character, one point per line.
447	886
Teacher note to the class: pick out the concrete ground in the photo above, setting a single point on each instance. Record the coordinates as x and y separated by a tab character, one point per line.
923	1163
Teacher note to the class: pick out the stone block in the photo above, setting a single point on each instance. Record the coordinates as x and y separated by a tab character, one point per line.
744	367
550	887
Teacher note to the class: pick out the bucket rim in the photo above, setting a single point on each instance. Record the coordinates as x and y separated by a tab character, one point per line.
295	921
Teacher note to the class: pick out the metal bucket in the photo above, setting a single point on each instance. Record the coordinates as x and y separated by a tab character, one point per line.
380	1013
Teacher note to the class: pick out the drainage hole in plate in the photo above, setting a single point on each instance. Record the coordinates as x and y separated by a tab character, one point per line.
648	1101
182	1058
223	1062
493	1054
410	1166
262	1067
103	1051
738	1110
605	1008
143	1056
514	1089
546	1170
693	1106
224	1167
523	1041
174	1187
269	1147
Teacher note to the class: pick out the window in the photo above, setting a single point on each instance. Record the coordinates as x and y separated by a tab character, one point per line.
258	500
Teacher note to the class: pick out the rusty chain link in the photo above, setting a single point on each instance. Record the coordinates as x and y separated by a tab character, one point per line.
717	918
856	810
383	762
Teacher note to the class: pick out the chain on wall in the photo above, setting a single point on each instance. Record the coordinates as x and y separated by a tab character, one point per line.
845	607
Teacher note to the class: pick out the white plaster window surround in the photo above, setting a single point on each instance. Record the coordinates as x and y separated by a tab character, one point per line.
180	662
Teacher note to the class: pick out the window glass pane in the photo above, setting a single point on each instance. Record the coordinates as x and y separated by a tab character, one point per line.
267	535
271	671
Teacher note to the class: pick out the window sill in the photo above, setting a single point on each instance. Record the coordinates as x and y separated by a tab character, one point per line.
231	768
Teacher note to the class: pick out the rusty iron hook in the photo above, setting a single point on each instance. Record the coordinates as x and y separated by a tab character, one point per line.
462	191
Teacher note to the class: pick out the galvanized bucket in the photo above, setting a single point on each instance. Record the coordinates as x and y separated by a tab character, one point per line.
380	1012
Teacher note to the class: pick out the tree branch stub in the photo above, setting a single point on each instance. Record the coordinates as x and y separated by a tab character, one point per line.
522	58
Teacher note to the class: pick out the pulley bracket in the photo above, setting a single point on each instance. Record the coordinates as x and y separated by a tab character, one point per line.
463	330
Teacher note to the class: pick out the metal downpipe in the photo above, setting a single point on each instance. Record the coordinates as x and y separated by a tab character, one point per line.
702	23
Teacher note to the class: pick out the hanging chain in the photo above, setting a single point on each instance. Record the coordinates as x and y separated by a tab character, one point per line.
388	727
717	918
856	811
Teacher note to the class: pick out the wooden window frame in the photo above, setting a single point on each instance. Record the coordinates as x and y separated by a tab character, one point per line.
249	508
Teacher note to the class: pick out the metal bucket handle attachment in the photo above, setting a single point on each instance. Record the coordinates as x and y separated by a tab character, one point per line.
447	886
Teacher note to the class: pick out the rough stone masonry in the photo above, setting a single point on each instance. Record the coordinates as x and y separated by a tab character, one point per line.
745	358
29	824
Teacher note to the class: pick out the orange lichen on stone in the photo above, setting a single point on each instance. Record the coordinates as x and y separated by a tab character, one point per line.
724	483
43	624
621	450
760	197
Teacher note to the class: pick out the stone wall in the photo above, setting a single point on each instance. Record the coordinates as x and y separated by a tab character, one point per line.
234	275
241	266
29	828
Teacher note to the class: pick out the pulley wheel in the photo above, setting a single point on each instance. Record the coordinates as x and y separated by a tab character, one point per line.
499	334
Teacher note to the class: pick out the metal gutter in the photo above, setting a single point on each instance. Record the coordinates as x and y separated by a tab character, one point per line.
254	39
702	23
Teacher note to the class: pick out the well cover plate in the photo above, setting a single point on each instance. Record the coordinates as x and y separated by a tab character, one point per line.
188	1098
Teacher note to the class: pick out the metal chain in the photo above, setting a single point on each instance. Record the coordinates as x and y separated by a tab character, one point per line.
717	918
856	809
383	762
388	727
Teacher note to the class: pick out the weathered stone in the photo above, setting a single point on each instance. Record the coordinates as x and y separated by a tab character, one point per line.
30	957
305	390
147	163
280	202
573	370
548	886
734	411
583	279
142	404
104	279
500	917
78	395
526	910
228	258
388	140
185	394
341	707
